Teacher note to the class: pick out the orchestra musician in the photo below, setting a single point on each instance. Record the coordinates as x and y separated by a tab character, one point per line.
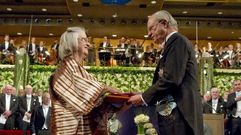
105	50
32	49
7	50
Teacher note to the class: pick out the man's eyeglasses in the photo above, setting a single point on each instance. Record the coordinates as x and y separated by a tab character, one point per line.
153	28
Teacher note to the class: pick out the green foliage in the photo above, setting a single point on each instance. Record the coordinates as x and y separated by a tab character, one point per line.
124	78
6	77
224	81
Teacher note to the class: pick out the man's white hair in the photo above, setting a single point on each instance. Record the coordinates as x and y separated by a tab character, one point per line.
69	41
164	15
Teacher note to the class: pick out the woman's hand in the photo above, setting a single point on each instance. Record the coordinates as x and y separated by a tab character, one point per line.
112	90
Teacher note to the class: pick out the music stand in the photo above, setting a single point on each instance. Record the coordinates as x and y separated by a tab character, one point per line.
104	55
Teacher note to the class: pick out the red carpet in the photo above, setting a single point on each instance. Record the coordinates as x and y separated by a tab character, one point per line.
12	132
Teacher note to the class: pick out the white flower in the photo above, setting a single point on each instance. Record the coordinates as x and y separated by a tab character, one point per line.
151	131
141	119
20	62
148	125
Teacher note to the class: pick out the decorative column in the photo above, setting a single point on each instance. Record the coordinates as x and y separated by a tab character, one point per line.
21	70
206	74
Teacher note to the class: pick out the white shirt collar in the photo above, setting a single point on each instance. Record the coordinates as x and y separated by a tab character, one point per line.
215	100
169	35
7	94
45	106
28	96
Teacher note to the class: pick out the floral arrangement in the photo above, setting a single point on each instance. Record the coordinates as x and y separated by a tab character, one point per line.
114	125
143	125
124	78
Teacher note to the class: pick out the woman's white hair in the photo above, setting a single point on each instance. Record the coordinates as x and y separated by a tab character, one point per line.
164	15
69	41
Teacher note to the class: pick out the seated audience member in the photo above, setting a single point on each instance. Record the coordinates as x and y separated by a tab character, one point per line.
27	103
234	108
40	119
216	104
8	106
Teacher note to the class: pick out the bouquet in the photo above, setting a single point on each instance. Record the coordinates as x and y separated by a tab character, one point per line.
143	125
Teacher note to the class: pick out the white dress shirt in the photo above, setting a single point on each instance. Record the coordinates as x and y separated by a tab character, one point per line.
28	98
214	105
40	100
8	100
45	111
41	48
238	112
33	48
6	45
104	44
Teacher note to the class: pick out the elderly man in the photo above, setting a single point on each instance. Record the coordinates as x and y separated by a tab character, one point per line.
8	106
27	103
175	88
216	104
40	119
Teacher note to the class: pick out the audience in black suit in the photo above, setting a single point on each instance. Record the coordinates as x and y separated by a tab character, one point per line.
27	104
8	107
234	108
40	119
216	104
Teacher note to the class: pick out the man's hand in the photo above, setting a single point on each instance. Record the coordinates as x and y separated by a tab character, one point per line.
135	100
28	115
7	114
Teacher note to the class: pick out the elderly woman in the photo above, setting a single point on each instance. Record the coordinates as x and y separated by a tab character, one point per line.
78	106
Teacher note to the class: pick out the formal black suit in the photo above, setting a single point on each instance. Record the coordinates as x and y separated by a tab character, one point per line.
107	47
10	47
38	119
104	57
177	74
207	107
31	53
13	108
42	52
23	104
231	110
23	109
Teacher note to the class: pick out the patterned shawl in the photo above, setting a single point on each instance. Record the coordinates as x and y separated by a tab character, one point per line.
77	101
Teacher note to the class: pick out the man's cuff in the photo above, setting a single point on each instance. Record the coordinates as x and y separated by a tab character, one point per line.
144	101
